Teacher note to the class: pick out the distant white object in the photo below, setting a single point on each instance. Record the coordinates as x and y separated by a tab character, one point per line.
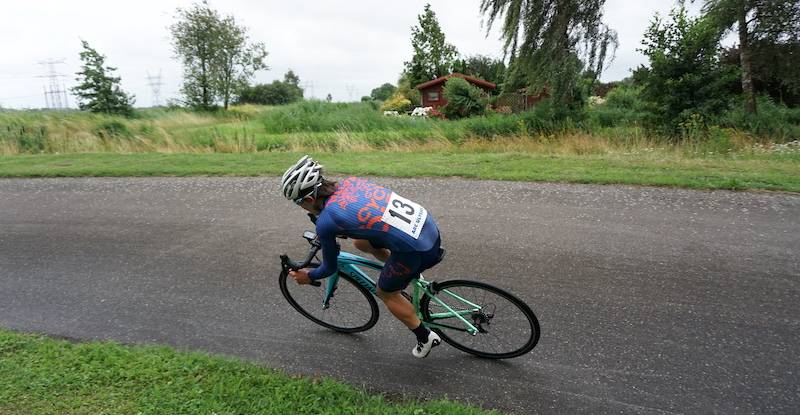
391	113
595	100
421	111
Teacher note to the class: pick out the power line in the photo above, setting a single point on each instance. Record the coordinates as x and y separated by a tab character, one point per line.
350	89
154	82
19	76
55	95
309	85
20	97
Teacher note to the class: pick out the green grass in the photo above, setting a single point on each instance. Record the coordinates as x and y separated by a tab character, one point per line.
603	145
39	375
771	173
322	126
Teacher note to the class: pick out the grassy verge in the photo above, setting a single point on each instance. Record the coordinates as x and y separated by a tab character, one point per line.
42	375
772	173
320	126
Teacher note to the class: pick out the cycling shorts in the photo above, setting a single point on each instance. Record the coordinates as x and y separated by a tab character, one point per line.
402	267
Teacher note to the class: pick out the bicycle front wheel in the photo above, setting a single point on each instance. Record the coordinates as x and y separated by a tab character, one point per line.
506	325
351	308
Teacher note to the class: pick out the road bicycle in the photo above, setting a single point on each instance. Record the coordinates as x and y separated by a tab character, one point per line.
471	316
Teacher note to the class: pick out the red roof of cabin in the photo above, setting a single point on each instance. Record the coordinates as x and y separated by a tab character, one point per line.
477	81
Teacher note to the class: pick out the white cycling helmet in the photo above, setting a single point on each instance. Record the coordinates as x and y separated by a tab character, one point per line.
304	175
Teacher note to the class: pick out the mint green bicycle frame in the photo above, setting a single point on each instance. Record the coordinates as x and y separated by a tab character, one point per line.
350	265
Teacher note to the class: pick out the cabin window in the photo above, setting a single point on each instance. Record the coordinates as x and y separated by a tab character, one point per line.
433	95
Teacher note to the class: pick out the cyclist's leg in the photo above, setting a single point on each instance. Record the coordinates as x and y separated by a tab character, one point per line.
400	307
397	273
381	254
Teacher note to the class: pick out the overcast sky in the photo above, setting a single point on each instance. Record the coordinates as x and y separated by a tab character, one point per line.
344	48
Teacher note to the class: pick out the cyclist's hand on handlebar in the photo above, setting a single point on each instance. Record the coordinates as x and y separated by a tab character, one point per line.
300	276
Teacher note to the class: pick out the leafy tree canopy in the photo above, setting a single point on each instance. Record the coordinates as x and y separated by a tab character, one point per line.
275	93
774	69
685	81
383	92
549	43
98	90
759	24
483	67
433	56
216	56
290	78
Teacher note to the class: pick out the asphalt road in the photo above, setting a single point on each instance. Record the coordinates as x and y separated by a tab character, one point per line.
650	300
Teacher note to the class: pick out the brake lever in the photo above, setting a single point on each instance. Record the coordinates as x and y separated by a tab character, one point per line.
289	265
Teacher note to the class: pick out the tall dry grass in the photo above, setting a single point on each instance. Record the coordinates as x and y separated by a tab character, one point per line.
315	127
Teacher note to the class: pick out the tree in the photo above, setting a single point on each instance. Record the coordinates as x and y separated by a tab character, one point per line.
483	67
755	21
542	39
216	56
774	69
236	61
276	93
290	78
292	82
406	89
397	102
685	82
383	92
433	56
98	91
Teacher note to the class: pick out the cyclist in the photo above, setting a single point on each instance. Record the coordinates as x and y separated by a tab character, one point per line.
395	230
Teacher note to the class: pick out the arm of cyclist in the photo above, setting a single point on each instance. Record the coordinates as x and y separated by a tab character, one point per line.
326	232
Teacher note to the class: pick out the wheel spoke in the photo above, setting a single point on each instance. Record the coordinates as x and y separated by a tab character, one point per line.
510	327
351	308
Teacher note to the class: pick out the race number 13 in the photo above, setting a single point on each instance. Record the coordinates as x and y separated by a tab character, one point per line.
405	215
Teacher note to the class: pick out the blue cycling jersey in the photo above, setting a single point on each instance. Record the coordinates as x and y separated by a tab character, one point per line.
361	209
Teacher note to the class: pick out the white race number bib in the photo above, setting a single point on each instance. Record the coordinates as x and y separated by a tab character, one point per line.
405	215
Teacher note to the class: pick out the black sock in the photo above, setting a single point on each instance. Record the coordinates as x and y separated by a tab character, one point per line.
422	333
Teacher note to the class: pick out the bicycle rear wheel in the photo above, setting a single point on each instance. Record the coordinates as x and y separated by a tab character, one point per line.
351	309
506	326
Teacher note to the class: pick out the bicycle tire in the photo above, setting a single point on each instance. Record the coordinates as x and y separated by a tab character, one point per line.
361	324
477	292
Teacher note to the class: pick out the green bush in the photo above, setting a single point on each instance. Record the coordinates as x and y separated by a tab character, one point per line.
319	116
684	79
112	129
773	121
625	97
492	125
546	118
276	93
30	137
609	116
463	99
397	102
536	122
33	143
383	92
271	143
